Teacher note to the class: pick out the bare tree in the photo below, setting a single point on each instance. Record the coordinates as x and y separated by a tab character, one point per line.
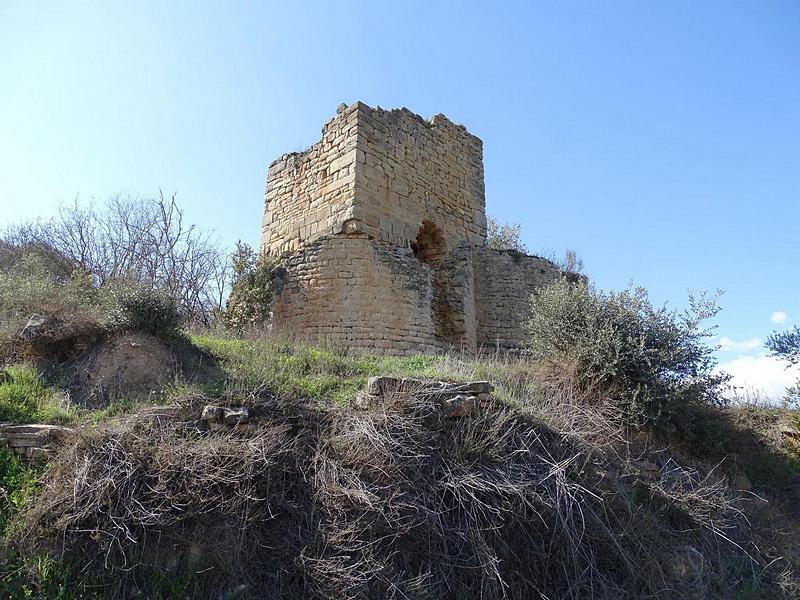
504	236
135	238
572	263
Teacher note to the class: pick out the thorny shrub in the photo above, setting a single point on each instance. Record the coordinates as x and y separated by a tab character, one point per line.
139	307
651	361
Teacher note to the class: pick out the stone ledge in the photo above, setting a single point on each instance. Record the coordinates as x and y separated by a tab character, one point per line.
455	400
35	442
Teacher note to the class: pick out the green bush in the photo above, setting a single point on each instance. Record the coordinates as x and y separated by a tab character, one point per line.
29	285
253	289
652	362
134	306
17	482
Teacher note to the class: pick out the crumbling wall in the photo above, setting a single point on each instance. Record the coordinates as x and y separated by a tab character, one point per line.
382	229
459	298
505	281
358	292
415	170
310	194
381	173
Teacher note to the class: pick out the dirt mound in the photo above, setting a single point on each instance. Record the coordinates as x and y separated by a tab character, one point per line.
134	366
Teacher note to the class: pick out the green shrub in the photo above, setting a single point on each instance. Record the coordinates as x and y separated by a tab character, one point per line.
133	306
253	289
652	362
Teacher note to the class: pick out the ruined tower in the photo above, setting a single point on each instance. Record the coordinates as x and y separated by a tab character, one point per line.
381	229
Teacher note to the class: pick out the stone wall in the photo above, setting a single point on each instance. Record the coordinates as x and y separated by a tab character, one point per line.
309	194
504	283
34	443
358	292
381	229
417	171
377	172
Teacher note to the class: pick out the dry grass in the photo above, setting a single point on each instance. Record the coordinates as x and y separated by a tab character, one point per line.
399	503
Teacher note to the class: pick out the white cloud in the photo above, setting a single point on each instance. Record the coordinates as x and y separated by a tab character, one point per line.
726	344
764	374
778	316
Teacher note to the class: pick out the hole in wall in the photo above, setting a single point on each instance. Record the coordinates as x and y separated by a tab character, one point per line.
430	247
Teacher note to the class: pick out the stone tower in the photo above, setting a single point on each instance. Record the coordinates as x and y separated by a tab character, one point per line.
381	229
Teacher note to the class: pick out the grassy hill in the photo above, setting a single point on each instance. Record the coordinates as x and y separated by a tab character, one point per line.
547	493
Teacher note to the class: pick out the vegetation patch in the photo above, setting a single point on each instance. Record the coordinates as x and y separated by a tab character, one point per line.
654	363
25	398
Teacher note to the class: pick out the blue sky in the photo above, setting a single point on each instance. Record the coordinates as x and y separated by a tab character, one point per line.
661	140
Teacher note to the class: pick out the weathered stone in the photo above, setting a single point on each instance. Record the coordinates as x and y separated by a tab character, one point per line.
234	416
32	442
211	413
37	430
377	386
452	398
460	406
365	400
25	441
36	454
474	388
381	230
35	326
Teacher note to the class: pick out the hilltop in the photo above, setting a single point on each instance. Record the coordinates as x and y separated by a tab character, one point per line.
161	446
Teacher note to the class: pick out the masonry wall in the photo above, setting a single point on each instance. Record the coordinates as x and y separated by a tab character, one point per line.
504	283
381	173
414	171
358	292
381	228
310	194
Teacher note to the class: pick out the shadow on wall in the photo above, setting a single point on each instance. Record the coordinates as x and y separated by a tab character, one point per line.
430	247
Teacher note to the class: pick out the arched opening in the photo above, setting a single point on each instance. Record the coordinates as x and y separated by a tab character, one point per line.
430	247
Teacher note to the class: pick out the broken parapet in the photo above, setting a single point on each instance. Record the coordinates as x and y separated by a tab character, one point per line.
454	399
34	443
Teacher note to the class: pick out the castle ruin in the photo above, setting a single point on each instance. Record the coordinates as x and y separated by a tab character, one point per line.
381	231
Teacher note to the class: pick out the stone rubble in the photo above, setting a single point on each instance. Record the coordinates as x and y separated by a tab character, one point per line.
225	417
34	443
455	400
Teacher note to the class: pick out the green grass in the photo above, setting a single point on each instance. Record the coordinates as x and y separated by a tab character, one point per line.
334	374
25	398
18	482
42	577
329	374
